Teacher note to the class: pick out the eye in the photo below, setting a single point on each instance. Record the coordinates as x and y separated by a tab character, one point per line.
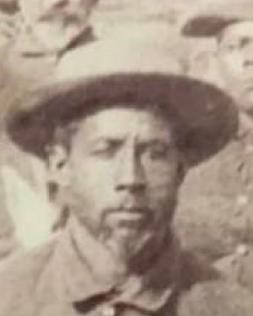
157	151
230	46
105	149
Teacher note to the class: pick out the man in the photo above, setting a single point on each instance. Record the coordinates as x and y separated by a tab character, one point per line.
118	138
225	183
231	25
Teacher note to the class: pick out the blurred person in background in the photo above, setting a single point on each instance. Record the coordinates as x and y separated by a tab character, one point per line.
226	182
48	29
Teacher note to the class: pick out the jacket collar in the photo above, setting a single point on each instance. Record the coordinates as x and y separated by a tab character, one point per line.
27	44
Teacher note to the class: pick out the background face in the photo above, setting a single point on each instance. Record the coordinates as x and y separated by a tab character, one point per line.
56	22
123	170
235	56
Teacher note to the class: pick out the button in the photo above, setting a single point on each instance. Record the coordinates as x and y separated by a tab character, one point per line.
109	311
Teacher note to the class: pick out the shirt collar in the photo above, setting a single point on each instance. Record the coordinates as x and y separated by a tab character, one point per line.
86	268
27	44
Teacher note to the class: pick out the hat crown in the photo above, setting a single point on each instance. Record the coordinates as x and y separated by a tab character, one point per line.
138	71
210	19
147	51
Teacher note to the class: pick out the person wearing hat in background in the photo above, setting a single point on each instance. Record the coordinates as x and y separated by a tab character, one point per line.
48	29
230	23
119	132
227	181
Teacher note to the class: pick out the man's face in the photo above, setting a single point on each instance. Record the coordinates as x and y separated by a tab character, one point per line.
56	22
123	173
235	57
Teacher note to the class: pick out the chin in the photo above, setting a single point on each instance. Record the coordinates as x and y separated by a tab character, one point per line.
127	247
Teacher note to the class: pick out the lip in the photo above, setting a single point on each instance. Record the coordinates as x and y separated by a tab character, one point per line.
130	217
125	215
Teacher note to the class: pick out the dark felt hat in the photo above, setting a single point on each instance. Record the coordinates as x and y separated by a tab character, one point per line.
204	116
212	19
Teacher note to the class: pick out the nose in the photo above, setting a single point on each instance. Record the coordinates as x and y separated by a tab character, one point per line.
130	173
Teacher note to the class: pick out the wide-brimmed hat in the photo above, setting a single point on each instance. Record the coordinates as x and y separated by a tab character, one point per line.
210	20
136	72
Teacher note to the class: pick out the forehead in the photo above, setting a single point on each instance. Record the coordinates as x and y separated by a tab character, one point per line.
120	122
238	30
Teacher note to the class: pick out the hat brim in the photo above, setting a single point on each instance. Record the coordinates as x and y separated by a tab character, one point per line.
204	116
207	26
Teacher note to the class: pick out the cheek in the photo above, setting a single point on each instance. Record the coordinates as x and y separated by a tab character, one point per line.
91	177
162	194
232	63
162	182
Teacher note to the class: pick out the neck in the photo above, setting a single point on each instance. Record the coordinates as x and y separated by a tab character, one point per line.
136	264
117	266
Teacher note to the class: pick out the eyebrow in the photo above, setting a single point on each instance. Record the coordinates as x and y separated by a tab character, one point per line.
105	140
145	142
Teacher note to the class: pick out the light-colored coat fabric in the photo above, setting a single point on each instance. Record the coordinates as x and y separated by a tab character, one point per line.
65	277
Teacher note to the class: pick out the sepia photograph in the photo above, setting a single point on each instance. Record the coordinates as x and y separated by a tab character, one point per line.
126	157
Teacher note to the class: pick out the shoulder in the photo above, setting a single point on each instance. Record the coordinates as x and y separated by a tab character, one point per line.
19	277
219	298
196	269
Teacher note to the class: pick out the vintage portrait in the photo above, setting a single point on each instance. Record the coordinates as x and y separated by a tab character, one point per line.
126	165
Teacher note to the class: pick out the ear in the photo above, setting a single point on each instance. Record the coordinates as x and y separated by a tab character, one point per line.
58	171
